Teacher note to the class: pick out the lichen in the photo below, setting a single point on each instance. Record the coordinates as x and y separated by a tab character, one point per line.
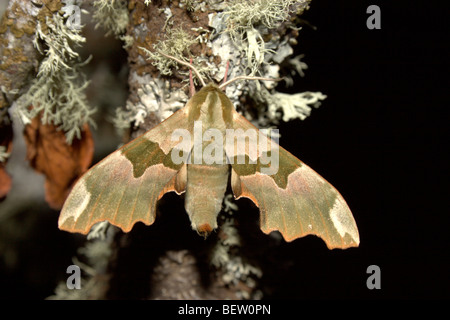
19	26
172	28
176	43
227	258
244	35
18	57
229	204
192	5
112	15
296	67
245	14
57	94
245	19
4	155
154	97
292	106
98	231
15	55
58	51
95	255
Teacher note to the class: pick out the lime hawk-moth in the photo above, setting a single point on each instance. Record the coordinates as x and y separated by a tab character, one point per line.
124	187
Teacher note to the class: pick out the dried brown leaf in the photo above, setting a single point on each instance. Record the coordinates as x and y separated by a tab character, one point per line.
6	136
62	164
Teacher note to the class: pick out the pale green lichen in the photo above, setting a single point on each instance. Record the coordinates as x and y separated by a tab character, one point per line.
241	15
154	97
254	50
292	106
192	5
241	34
189	4
203	34
96	256
97	253
226	256
58	51
72	13
64	293
229	204
112	15
243	20
176	43
4	155
98	231
57	93
297	67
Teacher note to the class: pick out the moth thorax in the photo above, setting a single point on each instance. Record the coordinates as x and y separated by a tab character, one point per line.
205	189
212	111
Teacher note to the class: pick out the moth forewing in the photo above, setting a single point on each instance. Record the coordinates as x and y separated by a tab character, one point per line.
242	145
124	187
268	152
181	152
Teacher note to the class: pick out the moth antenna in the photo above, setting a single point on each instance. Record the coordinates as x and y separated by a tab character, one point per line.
223	85
226	71
191	81
184	64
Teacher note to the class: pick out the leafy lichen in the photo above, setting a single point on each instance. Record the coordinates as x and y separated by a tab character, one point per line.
245	34
292	106
244	19
154	97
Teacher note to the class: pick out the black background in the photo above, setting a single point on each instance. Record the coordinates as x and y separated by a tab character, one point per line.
380	138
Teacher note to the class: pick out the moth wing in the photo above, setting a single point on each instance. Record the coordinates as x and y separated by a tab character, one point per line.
293	199
124	187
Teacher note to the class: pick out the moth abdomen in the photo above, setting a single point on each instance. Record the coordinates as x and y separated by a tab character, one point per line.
205	189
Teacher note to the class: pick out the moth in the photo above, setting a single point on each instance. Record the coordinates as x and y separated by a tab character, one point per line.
124	187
